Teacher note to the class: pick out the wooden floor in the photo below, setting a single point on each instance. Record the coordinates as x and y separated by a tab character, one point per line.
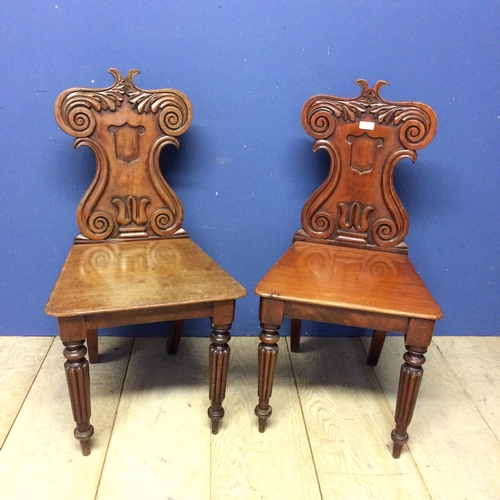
329	436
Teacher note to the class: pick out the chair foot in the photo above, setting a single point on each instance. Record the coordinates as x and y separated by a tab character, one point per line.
263	415
398	443
215	417
84	435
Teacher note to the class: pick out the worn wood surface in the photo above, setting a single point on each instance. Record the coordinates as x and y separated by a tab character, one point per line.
127	276
349	278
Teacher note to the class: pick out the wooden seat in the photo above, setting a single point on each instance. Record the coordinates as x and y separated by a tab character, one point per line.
348	263
132	263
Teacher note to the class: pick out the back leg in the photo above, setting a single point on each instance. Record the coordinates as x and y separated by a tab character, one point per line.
174	338
92	345
376	346
295	327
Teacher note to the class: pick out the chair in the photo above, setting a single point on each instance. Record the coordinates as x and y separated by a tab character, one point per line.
348	263
132	263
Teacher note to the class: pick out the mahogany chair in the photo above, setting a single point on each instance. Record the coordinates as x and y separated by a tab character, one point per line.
132	262
348	264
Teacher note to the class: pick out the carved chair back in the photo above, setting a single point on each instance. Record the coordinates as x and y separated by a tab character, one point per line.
126	128
365	138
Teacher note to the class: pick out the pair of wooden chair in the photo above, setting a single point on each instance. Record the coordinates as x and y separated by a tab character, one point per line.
133	263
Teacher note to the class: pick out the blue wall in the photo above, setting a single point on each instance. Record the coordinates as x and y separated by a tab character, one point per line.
245	168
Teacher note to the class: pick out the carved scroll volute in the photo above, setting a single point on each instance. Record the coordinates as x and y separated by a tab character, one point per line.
126	127
365	138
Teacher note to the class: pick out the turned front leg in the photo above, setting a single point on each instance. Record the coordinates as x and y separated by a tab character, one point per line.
78	378
218	364
409	384
268	354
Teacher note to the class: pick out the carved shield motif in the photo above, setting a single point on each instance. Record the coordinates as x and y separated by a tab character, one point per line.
127	142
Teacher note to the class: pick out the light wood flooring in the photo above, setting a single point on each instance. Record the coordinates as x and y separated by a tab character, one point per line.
328	438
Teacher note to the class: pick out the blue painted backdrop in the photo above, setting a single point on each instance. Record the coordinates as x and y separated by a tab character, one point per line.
245	168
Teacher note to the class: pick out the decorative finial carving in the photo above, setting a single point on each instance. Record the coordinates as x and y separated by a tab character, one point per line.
414	119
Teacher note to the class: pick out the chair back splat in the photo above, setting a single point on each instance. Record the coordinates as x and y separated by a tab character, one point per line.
365	138
126	128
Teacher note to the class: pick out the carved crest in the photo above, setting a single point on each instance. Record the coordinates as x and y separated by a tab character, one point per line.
126	127
365	138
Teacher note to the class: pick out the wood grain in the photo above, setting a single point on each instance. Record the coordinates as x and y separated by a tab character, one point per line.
40	458
474	361
246	464
454	448
16	378
160	446
348	422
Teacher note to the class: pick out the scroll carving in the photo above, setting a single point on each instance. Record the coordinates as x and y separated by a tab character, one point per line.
415	120
365	138
126	128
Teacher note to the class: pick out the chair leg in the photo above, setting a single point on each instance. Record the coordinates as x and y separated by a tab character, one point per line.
376	346
78	378
295	327
92	344
409	384
175	336
218	365
268	354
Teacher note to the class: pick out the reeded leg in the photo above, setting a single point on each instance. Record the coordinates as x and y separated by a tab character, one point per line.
295	327
92	345
268	354
175	336
409	384
78	377
376	346
218	366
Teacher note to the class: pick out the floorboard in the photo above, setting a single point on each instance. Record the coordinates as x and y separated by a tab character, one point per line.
20	360
160	448
328	437
41	459
275	464
349	423
455	450
475	363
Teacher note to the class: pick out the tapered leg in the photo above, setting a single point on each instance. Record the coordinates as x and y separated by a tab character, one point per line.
268	354
295	327
409	384
376	346
218	365
78	377
92	345
175	336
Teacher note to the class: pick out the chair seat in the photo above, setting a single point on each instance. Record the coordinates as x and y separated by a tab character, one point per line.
131	275
350	278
